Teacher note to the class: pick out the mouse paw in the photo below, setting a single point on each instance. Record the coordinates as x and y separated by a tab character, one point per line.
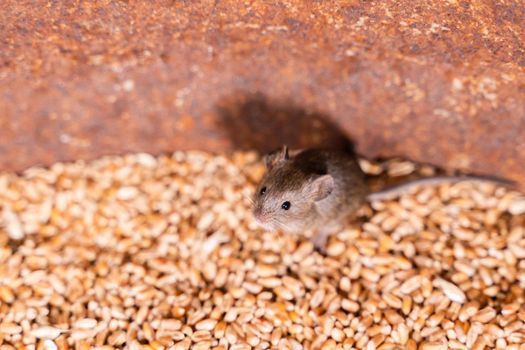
319	240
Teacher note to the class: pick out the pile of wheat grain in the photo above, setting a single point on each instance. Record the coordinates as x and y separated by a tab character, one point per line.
157	253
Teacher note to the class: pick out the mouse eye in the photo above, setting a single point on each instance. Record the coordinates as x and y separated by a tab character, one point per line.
262	191
286	205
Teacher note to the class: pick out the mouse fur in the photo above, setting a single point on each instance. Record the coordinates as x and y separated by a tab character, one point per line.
322	188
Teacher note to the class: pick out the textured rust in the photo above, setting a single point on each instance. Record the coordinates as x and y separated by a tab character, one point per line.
434	81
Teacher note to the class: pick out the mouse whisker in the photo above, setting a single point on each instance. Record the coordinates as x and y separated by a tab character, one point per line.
248	198
281	224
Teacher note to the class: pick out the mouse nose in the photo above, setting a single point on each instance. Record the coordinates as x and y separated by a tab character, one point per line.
259	214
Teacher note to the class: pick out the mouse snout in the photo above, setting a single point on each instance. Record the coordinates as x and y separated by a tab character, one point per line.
260	214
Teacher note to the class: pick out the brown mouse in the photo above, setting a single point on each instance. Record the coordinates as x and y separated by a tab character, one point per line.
317	189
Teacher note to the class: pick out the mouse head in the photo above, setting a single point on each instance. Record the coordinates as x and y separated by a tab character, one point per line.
286	197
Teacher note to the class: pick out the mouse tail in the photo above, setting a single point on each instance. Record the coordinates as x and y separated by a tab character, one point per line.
407	187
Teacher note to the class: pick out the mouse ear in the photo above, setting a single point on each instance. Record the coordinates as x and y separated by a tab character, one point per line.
276	157
322	187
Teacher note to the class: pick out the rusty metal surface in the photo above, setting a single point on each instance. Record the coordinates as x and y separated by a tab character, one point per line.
434	81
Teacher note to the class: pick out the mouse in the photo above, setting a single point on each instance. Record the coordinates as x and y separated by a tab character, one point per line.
316	189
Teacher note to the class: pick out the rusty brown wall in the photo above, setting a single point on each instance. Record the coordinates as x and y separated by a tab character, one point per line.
439	81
